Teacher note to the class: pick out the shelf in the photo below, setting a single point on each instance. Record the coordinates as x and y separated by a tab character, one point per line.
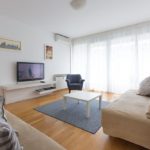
25	85
23	91
45	91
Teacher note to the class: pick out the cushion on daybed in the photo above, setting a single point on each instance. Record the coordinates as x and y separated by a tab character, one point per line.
2	114
8	137
144	88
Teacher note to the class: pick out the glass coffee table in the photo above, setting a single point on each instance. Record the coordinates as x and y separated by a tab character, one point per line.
87	97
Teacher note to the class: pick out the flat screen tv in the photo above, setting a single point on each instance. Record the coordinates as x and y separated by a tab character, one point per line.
29	71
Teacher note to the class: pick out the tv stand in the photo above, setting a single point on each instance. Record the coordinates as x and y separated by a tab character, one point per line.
23	91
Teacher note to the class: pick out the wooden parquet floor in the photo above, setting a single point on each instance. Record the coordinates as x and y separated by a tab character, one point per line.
70	137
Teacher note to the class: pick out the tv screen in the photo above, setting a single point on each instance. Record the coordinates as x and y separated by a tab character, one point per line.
28	71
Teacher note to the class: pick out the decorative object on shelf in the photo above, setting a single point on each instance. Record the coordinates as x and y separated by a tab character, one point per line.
9	44
77	4
48	51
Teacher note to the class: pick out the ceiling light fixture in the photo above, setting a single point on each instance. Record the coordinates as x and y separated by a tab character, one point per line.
77	4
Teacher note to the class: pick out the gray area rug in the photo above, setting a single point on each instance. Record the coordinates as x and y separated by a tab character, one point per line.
75	114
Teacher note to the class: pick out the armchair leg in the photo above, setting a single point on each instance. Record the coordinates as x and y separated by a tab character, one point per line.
69	90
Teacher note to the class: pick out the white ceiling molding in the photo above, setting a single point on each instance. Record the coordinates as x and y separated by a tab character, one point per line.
77	4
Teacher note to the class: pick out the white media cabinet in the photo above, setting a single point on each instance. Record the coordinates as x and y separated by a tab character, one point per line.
23	91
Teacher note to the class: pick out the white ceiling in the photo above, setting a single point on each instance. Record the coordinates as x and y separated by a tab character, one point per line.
57	16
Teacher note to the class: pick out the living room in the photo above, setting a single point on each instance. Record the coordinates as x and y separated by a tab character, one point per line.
105	44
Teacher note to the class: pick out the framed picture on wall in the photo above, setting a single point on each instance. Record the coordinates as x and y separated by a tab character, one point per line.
9	44
48	50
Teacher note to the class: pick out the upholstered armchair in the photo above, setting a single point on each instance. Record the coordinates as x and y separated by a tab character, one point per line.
74	82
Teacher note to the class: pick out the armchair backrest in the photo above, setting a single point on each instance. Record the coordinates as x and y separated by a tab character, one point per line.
74	78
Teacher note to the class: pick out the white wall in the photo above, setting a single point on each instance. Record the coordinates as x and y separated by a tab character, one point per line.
32	40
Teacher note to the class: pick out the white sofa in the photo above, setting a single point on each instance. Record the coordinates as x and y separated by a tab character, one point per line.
126	119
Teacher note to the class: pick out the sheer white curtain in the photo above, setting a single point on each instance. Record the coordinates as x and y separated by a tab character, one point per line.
79	64
122	64
113	61
97	67
144	55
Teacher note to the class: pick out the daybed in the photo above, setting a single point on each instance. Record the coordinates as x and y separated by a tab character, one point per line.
126	119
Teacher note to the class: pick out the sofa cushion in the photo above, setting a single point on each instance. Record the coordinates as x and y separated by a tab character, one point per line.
144	88
8	137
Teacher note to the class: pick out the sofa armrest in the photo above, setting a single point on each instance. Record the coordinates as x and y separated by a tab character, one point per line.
68	81
82	80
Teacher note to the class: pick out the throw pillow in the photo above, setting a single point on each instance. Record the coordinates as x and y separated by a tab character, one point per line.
8	137
144	88
2	114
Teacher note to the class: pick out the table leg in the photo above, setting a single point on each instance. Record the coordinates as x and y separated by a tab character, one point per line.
100	99
87	109
65	103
